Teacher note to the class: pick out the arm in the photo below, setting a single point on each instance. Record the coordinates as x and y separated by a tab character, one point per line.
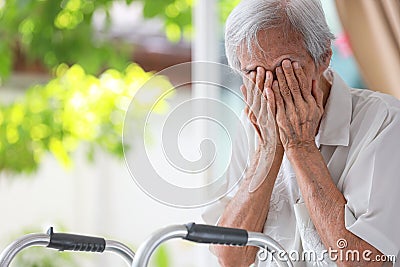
299	111
249	208
325	203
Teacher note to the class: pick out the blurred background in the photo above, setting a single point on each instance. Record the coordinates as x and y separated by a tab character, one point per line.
68	71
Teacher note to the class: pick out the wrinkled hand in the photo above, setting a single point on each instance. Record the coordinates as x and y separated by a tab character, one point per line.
261	108
299	106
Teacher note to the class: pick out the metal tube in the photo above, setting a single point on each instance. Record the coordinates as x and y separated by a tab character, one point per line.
26	241
265	242
122	250
145	251
43	240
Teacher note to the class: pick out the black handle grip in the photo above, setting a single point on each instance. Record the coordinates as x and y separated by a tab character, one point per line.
75	242
210	234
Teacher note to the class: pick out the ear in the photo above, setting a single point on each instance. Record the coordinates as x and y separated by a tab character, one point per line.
325	60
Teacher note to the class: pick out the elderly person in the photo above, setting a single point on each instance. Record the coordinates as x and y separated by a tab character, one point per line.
335	175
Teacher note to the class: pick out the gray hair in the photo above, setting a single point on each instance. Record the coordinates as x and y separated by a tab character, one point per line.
305	17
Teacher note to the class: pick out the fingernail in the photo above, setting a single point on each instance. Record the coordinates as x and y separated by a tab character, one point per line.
269	75
296	65
279	69
286	63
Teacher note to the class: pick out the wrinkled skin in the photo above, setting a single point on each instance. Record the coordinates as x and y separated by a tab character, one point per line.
286	92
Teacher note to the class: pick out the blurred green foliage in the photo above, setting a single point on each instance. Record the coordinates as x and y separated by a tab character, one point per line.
161	257
57	31
72	108
60	31
75	106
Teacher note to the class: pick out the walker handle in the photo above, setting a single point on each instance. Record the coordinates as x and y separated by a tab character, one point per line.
210	234
62	242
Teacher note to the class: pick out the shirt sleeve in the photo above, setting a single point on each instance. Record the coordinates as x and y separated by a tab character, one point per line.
372	188
243	148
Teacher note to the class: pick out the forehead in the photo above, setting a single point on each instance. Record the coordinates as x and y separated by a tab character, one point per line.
271	47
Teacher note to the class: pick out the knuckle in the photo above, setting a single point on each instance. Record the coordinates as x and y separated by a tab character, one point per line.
295	89
289	74
275	89
303	85
279	101
302	108
285	91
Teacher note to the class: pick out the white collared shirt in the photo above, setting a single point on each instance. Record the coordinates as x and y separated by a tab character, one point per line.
359	138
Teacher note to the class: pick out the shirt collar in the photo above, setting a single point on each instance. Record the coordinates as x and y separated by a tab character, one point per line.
334	129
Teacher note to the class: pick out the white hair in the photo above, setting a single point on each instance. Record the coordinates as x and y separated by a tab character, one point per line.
305	17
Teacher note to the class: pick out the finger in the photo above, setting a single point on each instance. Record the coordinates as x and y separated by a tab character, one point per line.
284	90
263	115
317	94
271	116
268	80
280	108
260	79
292	83
249	85
254	121
244	92
253	118
269	94
281	120
264	104
303	82
247	110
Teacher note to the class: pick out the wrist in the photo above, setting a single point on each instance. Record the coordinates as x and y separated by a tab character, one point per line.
301	149
269	149
265	152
